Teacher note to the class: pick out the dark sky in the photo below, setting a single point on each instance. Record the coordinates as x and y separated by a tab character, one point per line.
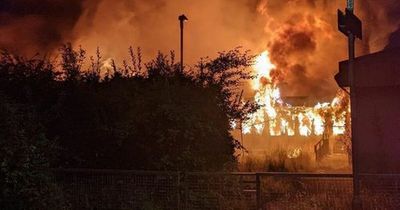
27	26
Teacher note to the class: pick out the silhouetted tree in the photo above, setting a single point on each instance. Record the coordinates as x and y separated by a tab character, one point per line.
126	117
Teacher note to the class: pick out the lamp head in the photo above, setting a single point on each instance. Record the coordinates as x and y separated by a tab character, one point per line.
183	18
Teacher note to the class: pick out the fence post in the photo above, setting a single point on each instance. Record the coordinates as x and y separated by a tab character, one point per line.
258	191
179	190
186	191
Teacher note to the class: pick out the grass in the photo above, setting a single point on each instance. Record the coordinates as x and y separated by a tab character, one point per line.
278	160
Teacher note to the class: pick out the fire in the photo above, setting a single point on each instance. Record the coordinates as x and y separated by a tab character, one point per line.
263	66
295	153
278	118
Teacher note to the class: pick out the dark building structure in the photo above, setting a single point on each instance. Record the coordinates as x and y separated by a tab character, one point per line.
377	123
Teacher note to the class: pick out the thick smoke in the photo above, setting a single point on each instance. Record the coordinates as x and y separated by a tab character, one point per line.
380	19
301	35
394	40
153	25
305	44
30	26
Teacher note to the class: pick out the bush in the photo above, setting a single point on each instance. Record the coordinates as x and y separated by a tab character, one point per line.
25	155
137	116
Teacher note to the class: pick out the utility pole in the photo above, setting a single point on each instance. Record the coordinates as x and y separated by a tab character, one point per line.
182	18
351	26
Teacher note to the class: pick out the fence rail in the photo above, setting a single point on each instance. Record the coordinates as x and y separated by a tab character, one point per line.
122	189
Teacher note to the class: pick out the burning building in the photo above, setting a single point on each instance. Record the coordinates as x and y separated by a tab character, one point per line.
299	36
277	118
291	120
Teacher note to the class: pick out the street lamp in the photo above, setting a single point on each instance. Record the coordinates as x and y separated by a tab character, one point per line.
182	18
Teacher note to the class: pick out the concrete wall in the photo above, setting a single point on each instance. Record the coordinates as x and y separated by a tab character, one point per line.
377	123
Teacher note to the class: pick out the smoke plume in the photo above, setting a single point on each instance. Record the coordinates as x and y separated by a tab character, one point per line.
305	44
29	26
301	35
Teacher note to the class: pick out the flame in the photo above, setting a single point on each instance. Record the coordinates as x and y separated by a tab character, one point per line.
279	118
295	153
263	66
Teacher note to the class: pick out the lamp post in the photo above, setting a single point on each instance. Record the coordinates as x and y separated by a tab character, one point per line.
182	18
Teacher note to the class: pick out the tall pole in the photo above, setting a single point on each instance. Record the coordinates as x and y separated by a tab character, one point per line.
182	18
356	182
351	26
241	126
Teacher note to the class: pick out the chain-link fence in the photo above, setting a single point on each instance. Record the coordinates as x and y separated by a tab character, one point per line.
110	189
305	191
380	191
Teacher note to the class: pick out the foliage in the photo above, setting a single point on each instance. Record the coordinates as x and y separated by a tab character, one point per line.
134	117
25	155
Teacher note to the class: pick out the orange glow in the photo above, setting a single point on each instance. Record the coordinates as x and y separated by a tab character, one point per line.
279	118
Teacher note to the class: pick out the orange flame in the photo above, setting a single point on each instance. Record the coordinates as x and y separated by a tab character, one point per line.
279	118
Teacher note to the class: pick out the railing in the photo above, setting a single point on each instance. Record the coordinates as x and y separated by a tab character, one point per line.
113	189
321	149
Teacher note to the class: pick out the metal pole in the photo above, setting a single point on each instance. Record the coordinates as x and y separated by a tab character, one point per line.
258	192
241	126
356	184
356	180
181	46
241	137
182	19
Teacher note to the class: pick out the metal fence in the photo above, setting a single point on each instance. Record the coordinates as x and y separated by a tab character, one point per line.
110	189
